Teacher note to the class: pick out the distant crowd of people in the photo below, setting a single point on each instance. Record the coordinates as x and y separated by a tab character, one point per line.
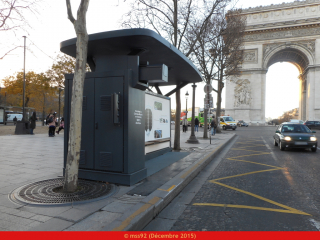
50	121
213	125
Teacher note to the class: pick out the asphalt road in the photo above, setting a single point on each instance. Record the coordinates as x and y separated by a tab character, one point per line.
251	186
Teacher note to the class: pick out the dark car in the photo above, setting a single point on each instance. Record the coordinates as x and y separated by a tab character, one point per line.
241	123
295	135
312	124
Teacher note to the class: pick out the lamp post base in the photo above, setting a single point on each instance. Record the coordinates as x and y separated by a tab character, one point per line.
193	140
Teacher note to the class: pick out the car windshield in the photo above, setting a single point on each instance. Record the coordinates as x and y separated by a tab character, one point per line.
295	128
228	119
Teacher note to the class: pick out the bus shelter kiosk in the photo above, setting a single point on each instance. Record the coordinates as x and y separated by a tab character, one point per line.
124	64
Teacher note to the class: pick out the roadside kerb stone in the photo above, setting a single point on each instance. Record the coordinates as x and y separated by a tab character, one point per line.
133	220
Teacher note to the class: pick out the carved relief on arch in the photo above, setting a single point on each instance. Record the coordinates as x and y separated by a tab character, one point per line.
242	93
309	45
250	56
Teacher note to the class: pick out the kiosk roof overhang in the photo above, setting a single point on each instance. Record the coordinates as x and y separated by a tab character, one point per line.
146	43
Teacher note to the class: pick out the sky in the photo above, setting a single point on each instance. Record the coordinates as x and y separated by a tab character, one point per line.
50	27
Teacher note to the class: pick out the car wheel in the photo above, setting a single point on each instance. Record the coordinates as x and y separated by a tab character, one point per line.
233	129
275	142
247	126
313	149
281	147
224	128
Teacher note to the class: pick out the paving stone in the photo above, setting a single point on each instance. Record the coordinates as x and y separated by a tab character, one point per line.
34	224
86	225
117	207
24	214
47	211
74	214
15	219
12	226
41	218
104	217
53	224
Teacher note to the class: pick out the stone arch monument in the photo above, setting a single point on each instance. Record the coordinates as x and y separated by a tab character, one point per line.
287	32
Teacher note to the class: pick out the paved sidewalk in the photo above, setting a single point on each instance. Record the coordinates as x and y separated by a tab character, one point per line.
29	158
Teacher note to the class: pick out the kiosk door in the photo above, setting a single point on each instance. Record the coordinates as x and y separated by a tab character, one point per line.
109	154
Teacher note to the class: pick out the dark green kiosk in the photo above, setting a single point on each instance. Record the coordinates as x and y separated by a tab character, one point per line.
124	64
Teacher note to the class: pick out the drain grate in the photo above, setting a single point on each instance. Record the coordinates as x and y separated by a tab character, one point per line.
45	192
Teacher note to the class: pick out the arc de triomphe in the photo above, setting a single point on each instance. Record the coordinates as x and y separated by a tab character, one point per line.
287	32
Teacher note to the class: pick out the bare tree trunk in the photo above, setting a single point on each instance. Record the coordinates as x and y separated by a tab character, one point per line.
176	145
220	86
74	144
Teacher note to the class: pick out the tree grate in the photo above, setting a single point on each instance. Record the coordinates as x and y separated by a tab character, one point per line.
45	192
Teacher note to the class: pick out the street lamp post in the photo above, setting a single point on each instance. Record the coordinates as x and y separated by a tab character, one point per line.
59	104
43	112
193	138
24	80
187	96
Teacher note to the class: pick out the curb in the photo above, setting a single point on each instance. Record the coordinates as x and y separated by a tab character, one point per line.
136	218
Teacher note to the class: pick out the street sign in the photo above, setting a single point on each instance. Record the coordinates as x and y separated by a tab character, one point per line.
207	88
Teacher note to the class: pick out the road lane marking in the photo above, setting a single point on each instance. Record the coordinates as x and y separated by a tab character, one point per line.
250	150
261	198
238	160
248	207
243	174
249	155
168	190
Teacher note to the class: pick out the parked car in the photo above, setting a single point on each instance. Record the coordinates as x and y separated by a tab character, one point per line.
241	123
312	124
295	135
297	121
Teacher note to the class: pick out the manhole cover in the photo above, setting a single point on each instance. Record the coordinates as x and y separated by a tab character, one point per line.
47	192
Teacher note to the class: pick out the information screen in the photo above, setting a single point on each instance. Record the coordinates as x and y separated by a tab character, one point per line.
157	114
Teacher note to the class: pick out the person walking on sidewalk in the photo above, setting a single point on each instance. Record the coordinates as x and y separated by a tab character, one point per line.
213	125
33	120
196	125
184	124
61	125
52	124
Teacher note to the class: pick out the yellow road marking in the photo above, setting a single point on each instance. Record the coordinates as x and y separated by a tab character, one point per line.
126	222
250	150
251	155
243	174
261	198
248	207
255	145
253	163
169	189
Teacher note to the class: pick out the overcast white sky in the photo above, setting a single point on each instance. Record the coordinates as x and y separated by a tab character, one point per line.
51	26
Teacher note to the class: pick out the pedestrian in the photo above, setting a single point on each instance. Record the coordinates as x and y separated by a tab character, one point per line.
196	125
32	120
213	125
52	124
61	125
184	124
15	120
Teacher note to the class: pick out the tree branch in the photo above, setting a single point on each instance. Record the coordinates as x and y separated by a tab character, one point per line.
69	11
